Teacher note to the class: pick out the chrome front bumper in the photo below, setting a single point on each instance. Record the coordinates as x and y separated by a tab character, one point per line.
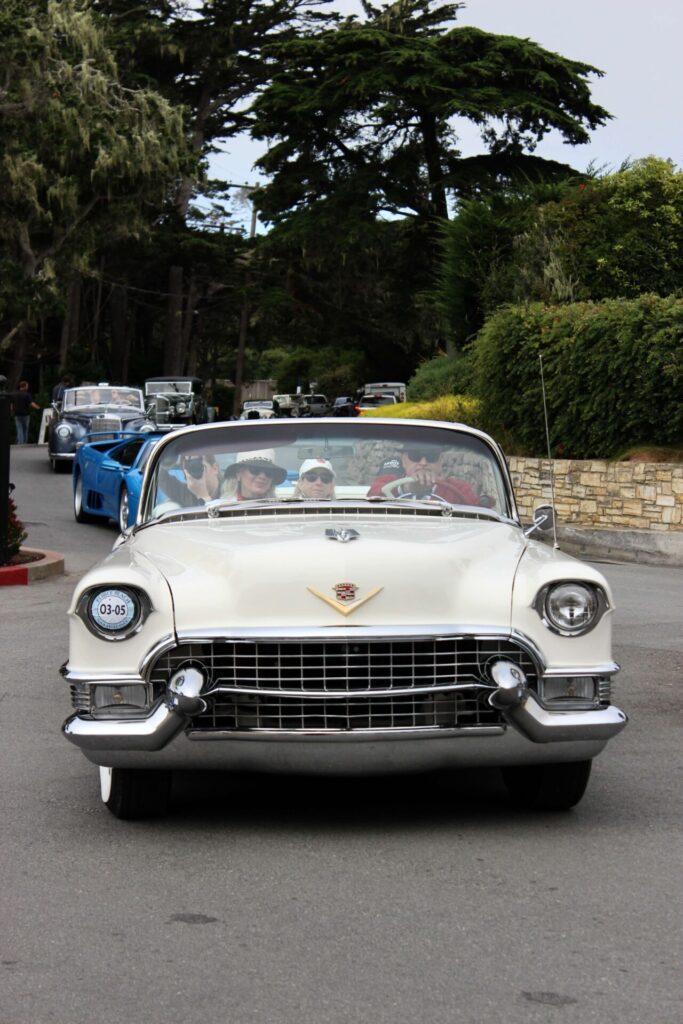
107	740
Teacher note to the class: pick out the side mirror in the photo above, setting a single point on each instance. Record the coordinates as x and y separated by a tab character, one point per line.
544	520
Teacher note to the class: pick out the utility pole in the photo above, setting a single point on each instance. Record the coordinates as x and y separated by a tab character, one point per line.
244	316
4	471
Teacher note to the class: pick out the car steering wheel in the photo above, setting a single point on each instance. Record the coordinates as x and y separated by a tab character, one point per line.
387	491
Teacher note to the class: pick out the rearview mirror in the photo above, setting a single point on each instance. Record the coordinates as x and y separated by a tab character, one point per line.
544	520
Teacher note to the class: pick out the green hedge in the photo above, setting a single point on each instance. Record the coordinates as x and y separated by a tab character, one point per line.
443	375
613	373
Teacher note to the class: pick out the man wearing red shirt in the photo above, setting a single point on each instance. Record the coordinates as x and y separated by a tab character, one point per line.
421	476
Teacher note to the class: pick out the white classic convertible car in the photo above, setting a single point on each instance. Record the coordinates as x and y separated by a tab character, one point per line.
337	596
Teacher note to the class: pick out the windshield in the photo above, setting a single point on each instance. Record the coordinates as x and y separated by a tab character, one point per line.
168	387
291	460
88	397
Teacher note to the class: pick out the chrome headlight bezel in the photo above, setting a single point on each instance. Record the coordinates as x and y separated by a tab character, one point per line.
596	597
141	608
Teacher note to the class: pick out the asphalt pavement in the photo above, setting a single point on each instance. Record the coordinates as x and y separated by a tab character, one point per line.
294	901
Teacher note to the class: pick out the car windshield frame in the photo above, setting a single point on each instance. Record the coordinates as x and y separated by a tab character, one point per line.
345	443
102	396
181	386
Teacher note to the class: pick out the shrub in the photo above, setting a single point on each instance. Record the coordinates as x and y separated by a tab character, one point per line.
450	408
16	534
613	373
444	375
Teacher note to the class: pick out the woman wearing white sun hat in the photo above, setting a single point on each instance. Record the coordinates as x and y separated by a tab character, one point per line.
254	475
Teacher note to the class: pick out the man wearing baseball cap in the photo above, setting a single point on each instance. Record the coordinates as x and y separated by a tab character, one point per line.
420	476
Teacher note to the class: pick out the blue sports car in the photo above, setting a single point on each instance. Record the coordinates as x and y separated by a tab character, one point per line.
107	476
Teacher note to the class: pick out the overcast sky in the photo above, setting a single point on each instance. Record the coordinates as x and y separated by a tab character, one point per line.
638	46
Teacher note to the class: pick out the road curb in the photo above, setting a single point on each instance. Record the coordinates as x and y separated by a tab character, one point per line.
51	563
644	547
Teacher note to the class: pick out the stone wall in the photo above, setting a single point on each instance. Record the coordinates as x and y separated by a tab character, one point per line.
603	495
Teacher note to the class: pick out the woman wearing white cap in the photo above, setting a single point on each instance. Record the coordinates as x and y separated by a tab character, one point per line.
253	475
316	480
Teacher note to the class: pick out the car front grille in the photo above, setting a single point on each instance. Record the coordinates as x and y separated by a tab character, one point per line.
105	424
345	685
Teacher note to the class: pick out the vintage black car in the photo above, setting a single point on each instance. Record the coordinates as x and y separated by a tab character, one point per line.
100	409
176	400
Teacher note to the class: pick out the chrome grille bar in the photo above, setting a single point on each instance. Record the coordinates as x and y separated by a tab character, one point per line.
462	709
341	667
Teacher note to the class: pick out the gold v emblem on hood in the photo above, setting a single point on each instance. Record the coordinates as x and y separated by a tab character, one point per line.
345	607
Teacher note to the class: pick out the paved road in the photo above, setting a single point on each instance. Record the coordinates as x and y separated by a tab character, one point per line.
268	900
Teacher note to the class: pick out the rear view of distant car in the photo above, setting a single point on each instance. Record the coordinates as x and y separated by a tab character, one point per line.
344	405
316	405
374	402
388	387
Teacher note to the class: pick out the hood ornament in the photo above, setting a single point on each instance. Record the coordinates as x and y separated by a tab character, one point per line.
345	600
343	535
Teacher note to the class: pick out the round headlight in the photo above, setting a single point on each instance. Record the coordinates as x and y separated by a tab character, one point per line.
181	407
63	430
113	613
571	607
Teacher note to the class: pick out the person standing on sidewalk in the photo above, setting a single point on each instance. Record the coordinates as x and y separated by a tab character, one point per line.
22	403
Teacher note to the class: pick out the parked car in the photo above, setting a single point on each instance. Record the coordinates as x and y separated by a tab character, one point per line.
344	405
289	405
107	478
99	408
374	402
315	405
176	399
404	622
258	409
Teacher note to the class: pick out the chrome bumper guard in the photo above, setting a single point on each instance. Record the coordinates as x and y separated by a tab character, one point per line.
151	731
171	714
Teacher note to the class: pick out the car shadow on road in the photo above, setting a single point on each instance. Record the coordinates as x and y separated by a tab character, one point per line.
276	802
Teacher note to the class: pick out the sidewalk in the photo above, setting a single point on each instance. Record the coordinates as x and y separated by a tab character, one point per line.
646	547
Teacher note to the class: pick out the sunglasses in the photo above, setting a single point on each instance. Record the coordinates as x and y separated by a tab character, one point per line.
256	470
194	466
417	455
324	477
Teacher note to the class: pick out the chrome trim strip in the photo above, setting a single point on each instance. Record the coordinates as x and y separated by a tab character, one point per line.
608	669
343	631
343	735
348	695
160	647
97	678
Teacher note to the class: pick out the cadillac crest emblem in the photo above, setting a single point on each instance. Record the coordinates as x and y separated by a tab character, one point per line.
345	591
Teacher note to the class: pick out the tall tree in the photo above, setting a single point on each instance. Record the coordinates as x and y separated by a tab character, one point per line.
366	114
209	58
83	156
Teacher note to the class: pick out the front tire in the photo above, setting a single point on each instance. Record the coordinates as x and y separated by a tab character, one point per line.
133	794
79	514
124	509
547	787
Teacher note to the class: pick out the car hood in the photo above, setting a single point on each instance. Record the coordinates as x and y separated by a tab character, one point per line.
286	572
